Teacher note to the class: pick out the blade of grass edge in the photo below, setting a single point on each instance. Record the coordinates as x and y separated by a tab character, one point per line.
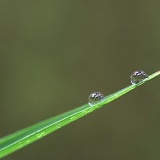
19	139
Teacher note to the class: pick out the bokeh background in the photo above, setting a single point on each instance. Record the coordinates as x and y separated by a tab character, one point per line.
54	53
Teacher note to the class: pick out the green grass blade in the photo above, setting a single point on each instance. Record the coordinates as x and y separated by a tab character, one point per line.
30	134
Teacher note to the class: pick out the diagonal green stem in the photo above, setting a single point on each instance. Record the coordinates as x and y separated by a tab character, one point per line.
30	134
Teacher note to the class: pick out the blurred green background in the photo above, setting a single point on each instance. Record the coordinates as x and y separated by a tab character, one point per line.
53	54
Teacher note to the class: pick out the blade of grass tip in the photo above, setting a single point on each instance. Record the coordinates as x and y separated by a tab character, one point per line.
121	92
17	140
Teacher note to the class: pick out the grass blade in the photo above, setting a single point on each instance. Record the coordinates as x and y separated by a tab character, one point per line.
30	134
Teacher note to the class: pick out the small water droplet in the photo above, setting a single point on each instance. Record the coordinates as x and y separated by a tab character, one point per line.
41	134
28	141
95	97
138	76
58	126
72	118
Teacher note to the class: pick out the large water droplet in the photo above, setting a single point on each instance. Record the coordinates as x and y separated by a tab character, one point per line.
95	98
138	76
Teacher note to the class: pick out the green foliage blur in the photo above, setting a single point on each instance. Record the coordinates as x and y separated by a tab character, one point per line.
53	54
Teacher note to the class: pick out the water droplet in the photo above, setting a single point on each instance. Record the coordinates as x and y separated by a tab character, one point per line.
58	126
41	134
95	98
138	76
28	141
73	118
